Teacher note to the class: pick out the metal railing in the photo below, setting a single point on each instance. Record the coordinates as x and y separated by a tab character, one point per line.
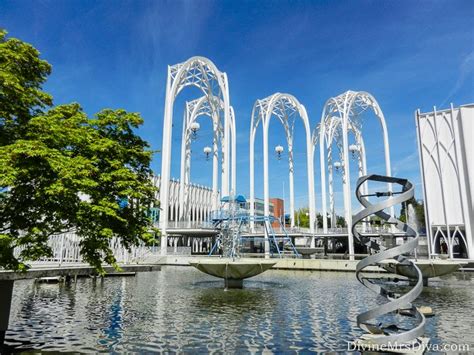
190	225
66	249
182	251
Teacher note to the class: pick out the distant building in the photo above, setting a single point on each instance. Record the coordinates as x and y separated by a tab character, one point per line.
446	147
259	207
278	211
197	207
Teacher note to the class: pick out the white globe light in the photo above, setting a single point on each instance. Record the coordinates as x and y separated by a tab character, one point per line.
279	149
207	150
195	126
354	147
337	164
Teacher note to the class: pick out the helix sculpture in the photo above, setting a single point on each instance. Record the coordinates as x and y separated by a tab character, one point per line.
378	334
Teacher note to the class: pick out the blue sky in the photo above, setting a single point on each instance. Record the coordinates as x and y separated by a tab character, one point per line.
114	54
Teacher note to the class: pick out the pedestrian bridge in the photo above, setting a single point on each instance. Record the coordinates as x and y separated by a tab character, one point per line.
198	237
208	228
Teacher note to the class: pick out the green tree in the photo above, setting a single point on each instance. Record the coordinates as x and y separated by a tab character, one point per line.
302	217
319	219
63	171
341	221
22	73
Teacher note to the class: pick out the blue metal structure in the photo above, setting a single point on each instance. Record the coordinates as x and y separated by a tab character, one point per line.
224	219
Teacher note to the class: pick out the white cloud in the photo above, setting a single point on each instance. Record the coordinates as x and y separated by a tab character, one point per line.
465	69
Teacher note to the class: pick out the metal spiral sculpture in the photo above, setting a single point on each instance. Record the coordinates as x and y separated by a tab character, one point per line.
379	334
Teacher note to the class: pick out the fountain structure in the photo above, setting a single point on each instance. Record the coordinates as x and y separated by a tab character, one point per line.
429	267
230	265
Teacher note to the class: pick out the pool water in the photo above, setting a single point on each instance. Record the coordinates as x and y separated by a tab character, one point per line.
183	310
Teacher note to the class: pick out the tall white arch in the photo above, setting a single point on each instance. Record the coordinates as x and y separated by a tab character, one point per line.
203	74
283	106
347	107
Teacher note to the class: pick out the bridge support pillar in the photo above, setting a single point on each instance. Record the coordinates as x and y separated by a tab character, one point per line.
6	287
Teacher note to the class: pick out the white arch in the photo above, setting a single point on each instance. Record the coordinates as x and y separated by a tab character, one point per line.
203	74
282	106
194	109
348	108
333	134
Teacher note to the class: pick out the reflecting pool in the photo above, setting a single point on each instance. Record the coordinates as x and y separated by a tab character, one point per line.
183	310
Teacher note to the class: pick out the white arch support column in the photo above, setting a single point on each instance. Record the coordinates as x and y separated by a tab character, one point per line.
253	130
346	184
291	168
322	166
233	134
215	165
332	210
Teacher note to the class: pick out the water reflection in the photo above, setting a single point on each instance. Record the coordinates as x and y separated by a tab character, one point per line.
184	310
113	332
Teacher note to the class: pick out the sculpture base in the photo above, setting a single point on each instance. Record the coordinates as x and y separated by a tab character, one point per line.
365	344
232	271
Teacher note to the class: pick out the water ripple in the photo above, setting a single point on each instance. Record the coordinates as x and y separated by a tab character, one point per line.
182	310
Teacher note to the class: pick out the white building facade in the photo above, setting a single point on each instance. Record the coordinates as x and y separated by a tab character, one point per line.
195	209
446	149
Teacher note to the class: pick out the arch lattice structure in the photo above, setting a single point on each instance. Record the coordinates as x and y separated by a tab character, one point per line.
349	107
203	74
333	136
286	108
213	108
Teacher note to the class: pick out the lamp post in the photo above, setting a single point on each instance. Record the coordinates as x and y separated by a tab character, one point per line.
207	151
279	150
354	149
195	126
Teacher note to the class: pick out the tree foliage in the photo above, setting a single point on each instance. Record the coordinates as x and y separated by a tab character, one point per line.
62	171
302	218
22	73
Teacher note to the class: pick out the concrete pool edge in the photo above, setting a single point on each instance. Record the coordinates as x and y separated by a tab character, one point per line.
333	265
282	264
